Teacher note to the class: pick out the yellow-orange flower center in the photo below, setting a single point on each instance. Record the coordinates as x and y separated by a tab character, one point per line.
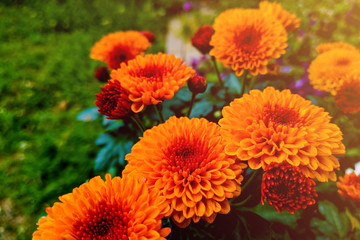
343	61
106	222
248	39
183	157
275	114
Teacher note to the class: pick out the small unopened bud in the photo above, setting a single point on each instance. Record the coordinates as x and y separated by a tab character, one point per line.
197	84
149	35
273	69
102	74
201	39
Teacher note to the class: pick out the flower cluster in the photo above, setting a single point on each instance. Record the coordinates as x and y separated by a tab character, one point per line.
118	208
250	38
120	47
289	21
152	78
188	169
349	186
286	188
113	101
273	126
348	96
185	159
334	62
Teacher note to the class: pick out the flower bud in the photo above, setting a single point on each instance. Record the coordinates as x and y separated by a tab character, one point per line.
113	101
102	74
149	35
201	39
197	84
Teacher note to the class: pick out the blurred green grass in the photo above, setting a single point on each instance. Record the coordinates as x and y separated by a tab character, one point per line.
46	80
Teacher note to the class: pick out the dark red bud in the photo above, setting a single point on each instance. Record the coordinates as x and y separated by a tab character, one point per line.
197	84
102	74
149	35
201	39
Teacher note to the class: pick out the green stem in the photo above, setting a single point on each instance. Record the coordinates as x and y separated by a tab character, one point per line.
159	113
193	96
242	202
243	82
252	82
253	175
267	83
217	71
137	120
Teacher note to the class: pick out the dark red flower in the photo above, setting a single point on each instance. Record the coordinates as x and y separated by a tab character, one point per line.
102	74
286	188
149	35
201	39
197	84
113	101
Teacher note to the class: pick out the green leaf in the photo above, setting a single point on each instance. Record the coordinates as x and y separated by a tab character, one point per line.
355	223
232	83
271	214
331	214
88	115
336	225
353	152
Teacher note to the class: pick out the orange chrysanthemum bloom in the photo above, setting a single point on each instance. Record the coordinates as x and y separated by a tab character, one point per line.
348	96
325	47
120	47
288	20
112	209
247	39
185	159
349	186
273	126
151	79
327	71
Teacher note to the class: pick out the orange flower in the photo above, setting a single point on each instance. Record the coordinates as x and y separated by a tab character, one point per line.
112	209
247	39
348	96
185	159
151	79
349	186
288	20
116	48
325	47
273	126
327	71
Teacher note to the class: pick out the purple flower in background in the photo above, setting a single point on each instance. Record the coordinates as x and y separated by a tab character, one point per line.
301	34
286	69
194	63
279	61
303	87
187	6
312	19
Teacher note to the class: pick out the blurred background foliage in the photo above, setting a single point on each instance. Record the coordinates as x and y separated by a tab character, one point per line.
47	80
